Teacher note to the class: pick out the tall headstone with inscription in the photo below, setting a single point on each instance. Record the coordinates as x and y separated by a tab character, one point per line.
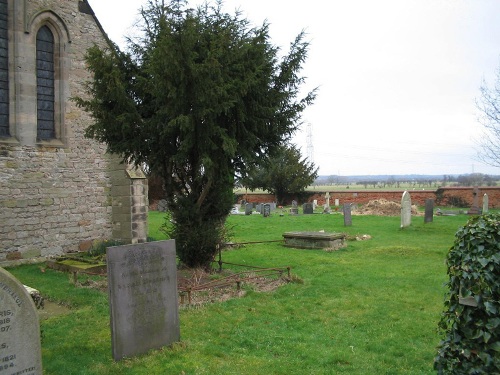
405	210
142	283
429	210
266	210
485	203
20	349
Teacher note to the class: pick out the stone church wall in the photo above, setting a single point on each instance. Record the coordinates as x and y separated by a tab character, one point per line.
59	195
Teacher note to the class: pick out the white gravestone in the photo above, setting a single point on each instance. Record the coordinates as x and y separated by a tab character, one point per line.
405	210
20	348
485	203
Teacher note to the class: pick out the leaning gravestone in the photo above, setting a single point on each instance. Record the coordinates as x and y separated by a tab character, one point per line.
307	208
347	215
429	210
142	283
405	210
485	203
20	349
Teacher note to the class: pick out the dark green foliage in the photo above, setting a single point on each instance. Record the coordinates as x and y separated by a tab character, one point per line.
471	342
285	172
199	97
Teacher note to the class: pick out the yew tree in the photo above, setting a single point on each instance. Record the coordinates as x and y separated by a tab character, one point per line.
283	173
198	97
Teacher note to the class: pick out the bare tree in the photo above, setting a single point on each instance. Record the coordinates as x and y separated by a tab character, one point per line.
489	107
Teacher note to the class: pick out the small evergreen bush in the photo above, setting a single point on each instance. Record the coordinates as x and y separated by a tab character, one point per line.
470	323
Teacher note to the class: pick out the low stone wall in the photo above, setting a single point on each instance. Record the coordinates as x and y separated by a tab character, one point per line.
446	196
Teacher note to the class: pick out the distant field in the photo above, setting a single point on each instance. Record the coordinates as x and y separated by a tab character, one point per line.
323	188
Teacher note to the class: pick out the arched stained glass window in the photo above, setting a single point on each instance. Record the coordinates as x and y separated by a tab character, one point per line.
45	84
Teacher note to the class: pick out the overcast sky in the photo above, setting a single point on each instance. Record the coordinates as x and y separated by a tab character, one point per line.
397	79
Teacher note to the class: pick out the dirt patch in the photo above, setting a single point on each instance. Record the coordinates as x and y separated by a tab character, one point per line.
382	207
198	287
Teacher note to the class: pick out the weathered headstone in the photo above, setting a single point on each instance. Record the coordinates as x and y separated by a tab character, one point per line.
266	210
248	208
258	208
142	283
485	203
474	210
20	349
337	202
162	205
315	204
307	208
429	210
405	210
294	210
347	215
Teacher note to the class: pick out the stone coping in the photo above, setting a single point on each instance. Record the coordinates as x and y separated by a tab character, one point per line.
314	235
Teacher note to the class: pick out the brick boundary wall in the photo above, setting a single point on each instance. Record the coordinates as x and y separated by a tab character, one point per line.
446	196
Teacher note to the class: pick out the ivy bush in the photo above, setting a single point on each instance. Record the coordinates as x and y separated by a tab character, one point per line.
470	324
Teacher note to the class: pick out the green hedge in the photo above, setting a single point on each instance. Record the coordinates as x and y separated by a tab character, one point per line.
470	323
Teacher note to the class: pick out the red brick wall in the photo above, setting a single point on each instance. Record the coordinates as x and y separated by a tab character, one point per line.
443	196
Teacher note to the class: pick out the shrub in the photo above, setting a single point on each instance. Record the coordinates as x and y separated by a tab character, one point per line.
470	323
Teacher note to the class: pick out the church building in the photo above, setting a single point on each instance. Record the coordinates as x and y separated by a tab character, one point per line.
59	191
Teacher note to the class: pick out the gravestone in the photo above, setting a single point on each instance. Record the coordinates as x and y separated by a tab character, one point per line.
405	210
266	209
347	215
474	210
162	205
429	210
315	204
294	210
248	208
258	208
20	349
307	208
337	202
142	284
327	201
485	203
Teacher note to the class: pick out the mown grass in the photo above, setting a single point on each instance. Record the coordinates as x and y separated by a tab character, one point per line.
371	308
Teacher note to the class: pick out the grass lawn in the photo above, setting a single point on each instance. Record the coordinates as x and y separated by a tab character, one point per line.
371	308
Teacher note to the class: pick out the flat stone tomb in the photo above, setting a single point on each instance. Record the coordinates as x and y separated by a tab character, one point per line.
314	240
142	283
20	348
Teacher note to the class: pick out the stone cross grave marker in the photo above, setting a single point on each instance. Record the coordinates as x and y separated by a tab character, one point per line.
474	210
405	210
266	210
248	208
429	210
347	215
485	203
142	283
307	208
20	348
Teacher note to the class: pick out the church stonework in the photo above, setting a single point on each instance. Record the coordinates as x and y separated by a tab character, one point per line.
59	191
